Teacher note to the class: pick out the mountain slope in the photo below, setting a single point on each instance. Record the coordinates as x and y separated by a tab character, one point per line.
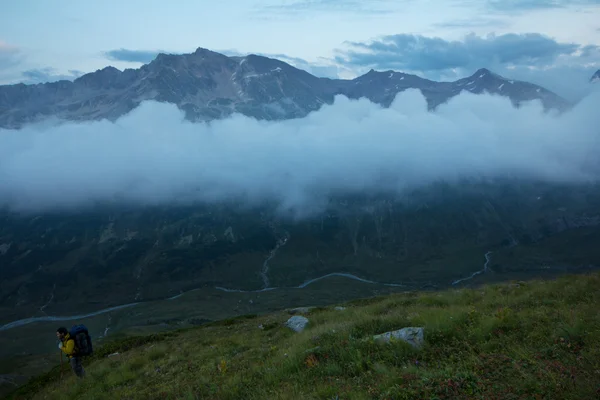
209	85
527	340
55	264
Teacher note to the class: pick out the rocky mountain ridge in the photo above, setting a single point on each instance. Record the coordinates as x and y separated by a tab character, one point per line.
208	85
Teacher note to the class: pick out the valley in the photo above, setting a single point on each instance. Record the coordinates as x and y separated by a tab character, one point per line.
142	255
203	264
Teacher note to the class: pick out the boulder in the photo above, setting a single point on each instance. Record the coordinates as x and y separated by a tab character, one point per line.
297	323
411	335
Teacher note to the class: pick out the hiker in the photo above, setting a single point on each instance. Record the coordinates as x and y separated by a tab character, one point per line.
67	346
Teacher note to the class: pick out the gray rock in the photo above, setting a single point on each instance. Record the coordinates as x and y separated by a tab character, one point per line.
411	335
229	234
297	323
4	247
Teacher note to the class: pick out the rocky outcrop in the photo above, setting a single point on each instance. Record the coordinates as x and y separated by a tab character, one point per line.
411	335
297	323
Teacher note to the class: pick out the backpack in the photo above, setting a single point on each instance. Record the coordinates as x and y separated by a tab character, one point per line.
83	341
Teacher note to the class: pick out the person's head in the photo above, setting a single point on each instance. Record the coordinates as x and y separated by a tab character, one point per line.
61	332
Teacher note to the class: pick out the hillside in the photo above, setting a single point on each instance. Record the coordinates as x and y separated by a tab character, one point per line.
521	340
208	85
430	237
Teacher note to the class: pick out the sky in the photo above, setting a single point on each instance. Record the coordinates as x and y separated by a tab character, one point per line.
554	42
154	156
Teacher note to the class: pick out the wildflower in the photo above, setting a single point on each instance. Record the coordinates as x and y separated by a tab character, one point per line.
222	367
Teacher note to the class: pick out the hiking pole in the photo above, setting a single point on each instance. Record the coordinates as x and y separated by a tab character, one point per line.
61	367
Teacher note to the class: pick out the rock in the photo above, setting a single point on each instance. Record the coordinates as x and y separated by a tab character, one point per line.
4	248
297	323
340	308
411	335
186	240
107	234
229	234
300	310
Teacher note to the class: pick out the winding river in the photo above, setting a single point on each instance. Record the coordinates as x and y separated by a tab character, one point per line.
31	320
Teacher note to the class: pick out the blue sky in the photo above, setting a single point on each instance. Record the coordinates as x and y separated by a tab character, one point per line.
49	40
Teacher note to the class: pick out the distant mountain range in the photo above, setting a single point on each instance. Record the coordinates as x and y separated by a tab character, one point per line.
209	85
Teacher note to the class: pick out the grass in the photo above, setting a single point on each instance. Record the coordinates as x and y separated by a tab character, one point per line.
535	340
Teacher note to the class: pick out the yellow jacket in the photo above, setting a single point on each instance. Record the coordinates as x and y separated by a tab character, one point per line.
68	346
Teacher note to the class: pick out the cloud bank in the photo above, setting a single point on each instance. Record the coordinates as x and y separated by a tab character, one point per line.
128	55
302	7
48	74
517	6
154	156
422	53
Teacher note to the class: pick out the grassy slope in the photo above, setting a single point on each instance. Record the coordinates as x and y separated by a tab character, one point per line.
530	340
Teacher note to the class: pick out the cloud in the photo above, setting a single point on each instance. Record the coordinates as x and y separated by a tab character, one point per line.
473	23
154	156
514	6
297	7
421	53
48	74
526	5
136	56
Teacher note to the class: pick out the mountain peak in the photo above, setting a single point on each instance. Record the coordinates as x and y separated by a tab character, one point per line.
372	73
108	71
485	73
100	74
202	50
596	77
